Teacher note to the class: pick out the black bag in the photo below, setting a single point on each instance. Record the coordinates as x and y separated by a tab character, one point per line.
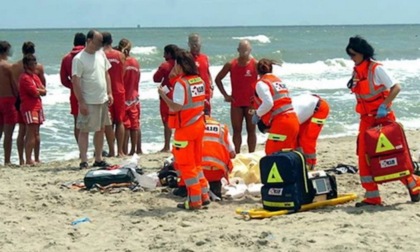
324	184
168	176
285	181
107	177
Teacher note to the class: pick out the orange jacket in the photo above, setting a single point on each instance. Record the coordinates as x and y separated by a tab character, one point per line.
280	94
192	110
369	95
216	146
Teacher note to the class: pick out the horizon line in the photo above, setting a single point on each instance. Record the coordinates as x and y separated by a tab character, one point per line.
187	27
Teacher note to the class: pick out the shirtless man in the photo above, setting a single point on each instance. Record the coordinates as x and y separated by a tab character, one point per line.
203	66
27	48
243	73
8	93
117	109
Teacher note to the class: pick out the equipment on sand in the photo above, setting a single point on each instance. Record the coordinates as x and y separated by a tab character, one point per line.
260	213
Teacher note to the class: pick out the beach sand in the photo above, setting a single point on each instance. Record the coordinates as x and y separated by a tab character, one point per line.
36	215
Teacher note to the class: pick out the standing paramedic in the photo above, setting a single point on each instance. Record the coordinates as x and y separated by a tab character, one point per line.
186	116
92	87
218	150
312	112
375	90
275	109
243	74
65	76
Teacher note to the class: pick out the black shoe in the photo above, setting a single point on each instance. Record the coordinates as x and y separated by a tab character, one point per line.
100	164
363	204
83	165
180	191
206	203
186	206
216	188
415	197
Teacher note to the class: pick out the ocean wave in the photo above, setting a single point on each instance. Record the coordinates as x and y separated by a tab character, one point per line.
259	38
144	50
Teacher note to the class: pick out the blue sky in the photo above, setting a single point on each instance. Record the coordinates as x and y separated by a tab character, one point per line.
180	13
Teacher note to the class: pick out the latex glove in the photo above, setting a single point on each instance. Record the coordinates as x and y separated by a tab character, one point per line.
382	111
255	118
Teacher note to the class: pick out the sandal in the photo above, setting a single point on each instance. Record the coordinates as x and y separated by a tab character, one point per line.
100	164
83	165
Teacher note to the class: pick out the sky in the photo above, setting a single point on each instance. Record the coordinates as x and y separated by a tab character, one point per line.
189	13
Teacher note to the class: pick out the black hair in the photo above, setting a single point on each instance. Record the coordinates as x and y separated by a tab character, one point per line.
27	59
4	46
28	48
79	39
106	38
265	66
171	50
186	61
360	45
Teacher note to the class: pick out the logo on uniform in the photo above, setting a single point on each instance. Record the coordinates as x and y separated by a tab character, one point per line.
388	162
248	73
212	128
279	86
197	90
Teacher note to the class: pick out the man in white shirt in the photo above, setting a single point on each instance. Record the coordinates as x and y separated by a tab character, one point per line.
92	87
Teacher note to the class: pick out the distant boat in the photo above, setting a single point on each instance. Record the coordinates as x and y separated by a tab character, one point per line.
138	26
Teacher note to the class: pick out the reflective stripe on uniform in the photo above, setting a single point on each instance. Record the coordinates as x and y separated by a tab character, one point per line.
277	137
310	156
318	120
366	179
191	181
194	198
372	194
180	144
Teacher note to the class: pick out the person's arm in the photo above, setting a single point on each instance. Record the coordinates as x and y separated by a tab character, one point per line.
40	73
158	76
28	86
381	76
109	88
263	92
231	147
222	74
174	106
64	75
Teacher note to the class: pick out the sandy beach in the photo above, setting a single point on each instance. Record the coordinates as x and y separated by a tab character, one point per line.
36	215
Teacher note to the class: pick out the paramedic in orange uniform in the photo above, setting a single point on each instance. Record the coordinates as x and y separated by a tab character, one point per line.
186	116
203	66
243	74
275	109
117	109
218	150
312	112
374	90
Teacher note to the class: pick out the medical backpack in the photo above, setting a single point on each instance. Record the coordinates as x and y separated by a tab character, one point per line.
285	181
387	152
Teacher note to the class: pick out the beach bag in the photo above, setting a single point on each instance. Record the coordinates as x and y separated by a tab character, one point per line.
285	181
104	177
387	152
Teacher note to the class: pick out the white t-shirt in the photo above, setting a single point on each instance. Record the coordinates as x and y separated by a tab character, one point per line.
179	94
304	106
91	69
382	77
263	92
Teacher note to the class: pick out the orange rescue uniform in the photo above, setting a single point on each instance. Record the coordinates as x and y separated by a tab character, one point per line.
370	96
282	120
188	139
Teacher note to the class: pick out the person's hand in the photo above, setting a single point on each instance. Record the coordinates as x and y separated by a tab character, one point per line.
110	100
382	111
83	108
228	98
255	118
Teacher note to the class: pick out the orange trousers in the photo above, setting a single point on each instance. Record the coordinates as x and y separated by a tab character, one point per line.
309	132
283	133
372	195
187	151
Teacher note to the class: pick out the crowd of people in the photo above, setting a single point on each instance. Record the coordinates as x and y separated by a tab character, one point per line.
104	99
